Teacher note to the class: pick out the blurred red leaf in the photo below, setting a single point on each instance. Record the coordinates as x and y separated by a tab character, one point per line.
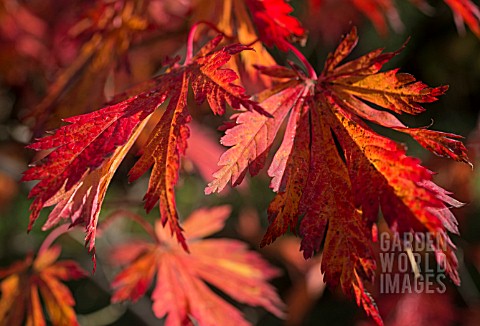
466	11
422	309
383	13
274	23
181	292
380	12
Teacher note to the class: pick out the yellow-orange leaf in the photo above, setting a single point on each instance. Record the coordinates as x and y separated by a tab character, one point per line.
24	282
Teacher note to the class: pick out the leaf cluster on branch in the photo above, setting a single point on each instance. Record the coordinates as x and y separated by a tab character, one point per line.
334	176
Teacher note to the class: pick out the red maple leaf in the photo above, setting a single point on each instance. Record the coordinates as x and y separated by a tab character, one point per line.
85	153
336	173
24	282
181	292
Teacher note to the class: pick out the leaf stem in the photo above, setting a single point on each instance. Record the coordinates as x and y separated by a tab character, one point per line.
311	72
253	42
52	236
191	37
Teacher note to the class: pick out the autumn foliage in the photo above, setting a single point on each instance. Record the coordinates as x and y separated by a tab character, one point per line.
333	173
25	281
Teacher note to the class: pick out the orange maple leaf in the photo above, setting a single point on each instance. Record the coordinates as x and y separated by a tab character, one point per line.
336	173
24	282
85	153
181	292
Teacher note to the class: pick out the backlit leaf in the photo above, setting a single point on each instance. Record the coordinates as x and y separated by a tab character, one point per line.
334	175
85	153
